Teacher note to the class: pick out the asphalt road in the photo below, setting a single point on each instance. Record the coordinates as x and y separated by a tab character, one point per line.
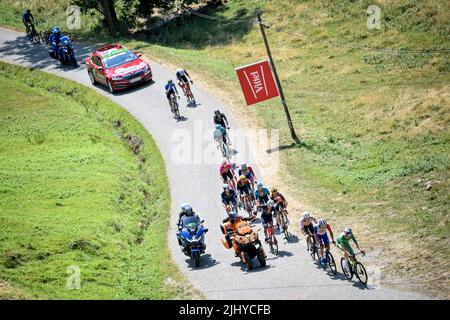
187	147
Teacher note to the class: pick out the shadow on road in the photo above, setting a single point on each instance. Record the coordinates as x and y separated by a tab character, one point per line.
256	266
206	261
36	55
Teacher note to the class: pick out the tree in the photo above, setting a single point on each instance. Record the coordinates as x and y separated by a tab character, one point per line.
101	6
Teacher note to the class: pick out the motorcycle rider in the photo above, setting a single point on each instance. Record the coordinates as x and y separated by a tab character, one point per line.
186	215
55	41
230	225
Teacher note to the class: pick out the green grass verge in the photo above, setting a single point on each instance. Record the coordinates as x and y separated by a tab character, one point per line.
82	184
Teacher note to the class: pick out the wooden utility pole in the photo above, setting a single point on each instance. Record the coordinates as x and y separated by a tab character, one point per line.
277	80
107	11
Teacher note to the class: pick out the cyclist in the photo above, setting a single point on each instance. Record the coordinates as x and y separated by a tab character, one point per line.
55	41
28	21
227	173
247	171
229	198
321	229
183	77
307	225
261	194
220	134
244	188
343	243
267	216
220	118
280	204
171	90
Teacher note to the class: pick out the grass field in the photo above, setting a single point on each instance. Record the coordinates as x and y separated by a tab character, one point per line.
83	185
375	124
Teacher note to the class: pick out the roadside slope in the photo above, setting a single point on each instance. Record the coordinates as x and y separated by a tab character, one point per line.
82	186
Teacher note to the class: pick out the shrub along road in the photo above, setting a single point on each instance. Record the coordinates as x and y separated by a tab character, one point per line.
291	275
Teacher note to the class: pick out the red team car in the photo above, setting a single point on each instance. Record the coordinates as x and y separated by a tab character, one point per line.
117	67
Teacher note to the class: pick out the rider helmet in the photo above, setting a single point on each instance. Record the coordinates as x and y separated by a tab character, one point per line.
243	178
233	215
274	190
226	187
28	11
218	127
55	30
306	215
187	209
322	223
170	81
259	185
244	166
348	231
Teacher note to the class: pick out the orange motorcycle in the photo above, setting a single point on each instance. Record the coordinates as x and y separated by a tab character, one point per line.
245	242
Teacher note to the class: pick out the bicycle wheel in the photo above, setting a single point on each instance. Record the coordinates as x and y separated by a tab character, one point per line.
275	245
346	269
361	273
331	264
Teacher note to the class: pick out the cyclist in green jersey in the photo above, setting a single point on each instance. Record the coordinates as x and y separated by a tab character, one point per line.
343	243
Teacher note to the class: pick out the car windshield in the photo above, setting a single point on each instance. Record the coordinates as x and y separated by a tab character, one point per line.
119	58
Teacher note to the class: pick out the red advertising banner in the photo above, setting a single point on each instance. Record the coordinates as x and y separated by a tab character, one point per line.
257	82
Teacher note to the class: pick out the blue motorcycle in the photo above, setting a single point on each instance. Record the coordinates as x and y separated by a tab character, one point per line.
67	54
63	52
192	240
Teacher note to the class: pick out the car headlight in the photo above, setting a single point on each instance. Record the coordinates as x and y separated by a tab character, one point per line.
146	69
116	77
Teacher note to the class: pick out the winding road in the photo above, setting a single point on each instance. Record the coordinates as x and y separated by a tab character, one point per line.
193	176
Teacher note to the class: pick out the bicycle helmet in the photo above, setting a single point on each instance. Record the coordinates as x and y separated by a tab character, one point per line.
242	178
259	185
55	30
217	112
226	186
322	223
170	81
28	11
244	166
348	231
218	127
306	215
274	190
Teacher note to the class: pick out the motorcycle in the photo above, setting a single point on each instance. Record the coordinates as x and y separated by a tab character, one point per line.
192	240
63	52
247	241
67	53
